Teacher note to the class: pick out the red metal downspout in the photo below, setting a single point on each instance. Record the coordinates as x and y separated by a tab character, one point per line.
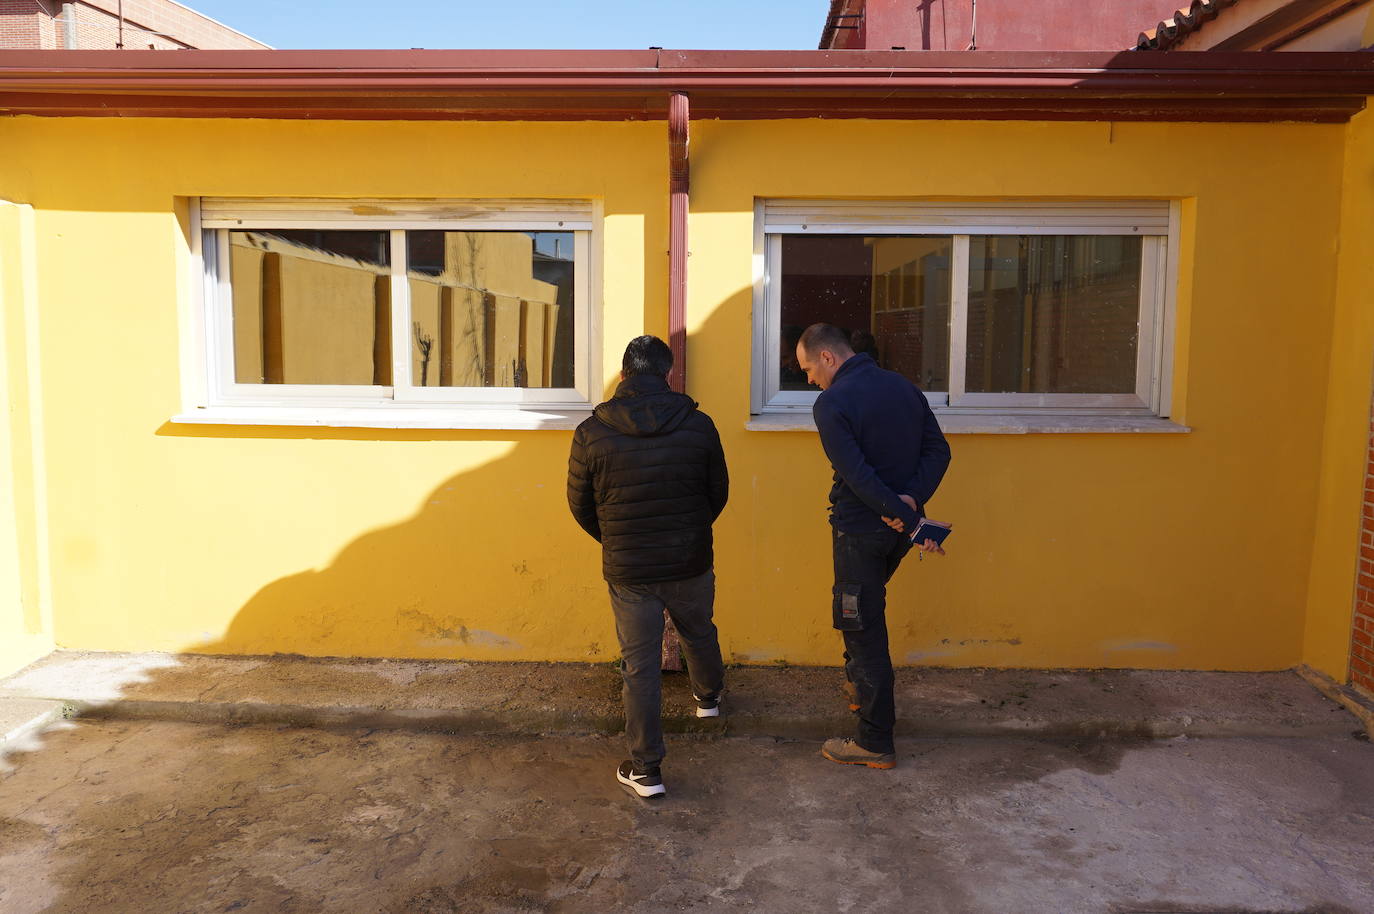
679	182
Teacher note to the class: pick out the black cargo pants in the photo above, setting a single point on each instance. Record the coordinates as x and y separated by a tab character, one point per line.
864	563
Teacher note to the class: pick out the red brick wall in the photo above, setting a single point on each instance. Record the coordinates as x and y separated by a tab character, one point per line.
19	24
945	25
49	29
98	30
158	24
188	27
1362	635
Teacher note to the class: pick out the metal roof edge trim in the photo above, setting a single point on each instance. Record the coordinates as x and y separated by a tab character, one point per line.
345	62
635	84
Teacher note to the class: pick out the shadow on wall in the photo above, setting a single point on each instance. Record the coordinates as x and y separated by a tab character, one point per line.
491	567
455	580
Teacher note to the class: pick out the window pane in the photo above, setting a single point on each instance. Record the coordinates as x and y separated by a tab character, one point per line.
1053	313
889	292
311	307
491	309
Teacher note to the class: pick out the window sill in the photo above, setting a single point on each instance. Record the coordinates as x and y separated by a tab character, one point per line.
998	424
464	417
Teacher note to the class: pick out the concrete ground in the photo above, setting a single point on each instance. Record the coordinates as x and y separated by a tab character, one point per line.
158	816
789	702
193	783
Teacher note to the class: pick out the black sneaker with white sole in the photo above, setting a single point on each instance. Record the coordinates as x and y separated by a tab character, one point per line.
708	707
645	782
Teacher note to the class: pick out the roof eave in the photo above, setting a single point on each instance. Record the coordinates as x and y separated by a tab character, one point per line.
634	84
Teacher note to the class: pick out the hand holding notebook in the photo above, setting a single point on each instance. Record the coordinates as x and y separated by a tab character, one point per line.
933	530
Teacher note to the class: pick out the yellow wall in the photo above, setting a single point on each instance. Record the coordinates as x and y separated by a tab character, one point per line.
1335	548
1071	550
25	627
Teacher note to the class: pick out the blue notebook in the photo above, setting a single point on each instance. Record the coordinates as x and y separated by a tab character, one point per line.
930	530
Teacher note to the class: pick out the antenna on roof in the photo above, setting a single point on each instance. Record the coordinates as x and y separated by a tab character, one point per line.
973	28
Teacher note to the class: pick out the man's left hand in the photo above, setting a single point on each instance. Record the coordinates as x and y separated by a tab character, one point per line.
896	522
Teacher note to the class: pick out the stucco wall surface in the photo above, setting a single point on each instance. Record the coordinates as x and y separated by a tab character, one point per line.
1158	551
25	629
1337	543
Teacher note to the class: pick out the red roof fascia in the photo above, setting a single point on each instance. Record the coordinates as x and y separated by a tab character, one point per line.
635	84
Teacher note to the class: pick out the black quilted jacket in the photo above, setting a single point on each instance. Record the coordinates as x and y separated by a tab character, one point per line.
647	478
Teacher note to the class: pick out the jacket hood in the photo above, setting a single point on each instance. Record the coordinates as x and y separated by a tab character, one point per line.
644	406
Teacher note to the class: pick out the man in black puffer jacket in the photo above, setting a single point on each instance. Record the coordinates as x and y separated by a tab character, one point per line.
647	478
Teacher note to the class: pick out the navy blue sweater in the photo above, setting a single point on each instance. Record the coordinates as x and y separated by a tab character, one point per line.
882	441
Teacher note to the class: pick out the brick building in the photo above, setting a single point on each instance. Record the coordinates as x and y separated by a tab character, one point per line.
112	24
958	25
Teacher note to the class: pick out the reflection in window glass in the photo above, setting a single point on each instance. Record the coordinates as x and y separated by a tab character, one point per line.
1053	313
311	307
491	309
891	293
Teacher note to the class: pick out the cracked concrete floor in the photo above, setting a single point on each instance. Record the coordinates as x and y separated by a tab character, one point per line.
139	816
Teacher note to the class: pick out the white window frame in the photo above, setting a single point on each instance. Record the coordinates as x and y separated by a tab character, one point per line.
213	218
1155	221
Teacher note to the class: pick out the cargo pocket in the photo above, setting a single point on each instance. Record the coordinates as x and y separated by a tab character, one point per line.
848	618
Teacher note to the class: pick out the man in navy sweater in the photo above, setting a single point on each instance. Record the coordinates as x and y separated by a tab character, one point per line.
889	456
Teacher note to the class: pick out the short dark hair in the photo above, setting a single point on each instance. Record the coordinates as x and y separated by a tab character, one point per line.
647	355
825	336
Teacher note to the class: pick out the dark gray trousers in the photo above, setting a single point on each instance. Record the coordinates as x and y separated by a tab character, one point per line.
864	563
638	612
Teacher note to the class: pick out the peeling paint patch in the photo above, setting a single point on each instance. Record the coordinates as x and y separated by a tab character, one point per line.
474	636
916	656
446	632
952	647
1138	646
982	642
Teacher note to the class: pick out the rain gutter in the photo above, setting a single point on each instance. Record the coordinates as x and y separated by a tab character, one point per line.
679	184
636	85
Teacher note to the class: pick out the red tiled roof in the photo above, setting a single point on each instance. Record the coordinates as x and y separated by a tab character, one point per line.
1183	23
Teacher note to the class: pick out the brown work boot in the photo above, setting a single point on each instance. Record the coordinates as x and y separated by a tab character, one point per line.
851	693
848	752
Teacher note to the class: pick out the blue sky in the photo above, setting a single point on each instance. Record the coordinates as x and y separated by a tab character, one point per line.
699	24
